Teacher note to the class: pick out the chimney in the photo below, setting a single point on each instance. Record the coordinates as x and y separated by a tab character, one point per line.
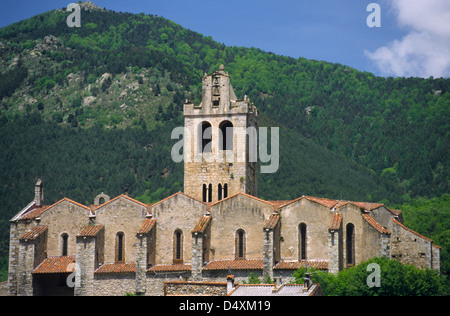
230	283
307	282
39	193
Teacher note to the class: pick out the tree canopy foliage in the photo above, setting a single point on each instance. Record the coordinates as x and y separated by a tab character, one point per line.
396	279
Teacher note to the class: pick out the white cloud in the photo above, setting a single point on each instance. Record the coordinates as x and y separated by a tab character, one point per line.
425	50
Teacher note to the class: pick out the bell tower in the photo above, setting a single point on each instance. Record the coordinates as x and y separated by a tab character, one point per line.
220	142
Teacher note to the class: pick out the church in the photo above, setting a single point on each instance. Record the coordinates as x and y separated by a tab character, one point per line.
215	229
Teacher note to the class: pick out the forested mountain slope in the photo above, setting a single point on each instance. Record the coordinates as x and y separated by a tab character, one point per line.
91	109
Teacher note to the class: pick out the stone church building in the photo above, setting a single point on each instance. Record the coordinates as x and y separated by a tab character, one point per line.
217	227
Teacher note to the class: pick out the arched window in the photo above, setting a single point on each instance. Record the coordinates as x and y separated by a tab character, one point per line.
222	191
120	247
205	138
205	193
225	190
226	136
350	243
64	244
302	241
178	246
240	244
210	194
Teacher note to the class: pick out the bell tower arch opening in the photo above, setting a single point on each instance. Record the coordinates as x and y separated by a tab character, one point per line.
217	142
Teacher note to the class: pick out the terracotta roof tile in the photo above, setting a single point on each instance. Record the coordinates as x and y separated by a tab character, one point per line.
364	205
295	265
336	221
237	264
148	225
323	201
272	222
171	268
278	204
117	268
372	222
202	224
91	231
34	213
34	233
56	265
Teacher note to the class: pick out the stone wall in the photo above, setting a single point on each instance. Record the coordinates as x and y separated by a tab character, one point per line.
68	218
121	215
195	288
409	247
178	212
114	284
240	212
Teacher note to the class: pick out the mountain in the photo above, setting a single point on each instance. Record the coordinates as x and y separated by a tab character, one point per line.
91	109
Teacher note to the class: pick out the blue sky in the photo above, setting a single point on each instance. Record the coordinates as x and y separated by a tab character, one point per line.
329	30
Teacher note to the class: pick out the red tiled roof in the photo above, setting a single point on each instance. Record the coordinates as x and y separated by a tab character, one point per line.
34	233
295	265
237	264
364	205
272	222
202	224
372	222
34	213
278	204
91	231
171	268
323	201
395	212
56	265
117	268
336	221
148	225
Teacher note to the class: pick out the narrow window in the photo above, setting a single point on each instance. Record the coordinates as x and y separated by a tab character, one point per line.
178	246
225	191
205	193
64	246
302	241
240	244
210	193
226	136
350	244
219	191
205	138
120	248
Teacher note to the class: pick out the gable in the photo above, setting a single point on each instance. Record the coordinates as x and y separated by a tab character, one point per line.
66	210
122	207
240	204
176	202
